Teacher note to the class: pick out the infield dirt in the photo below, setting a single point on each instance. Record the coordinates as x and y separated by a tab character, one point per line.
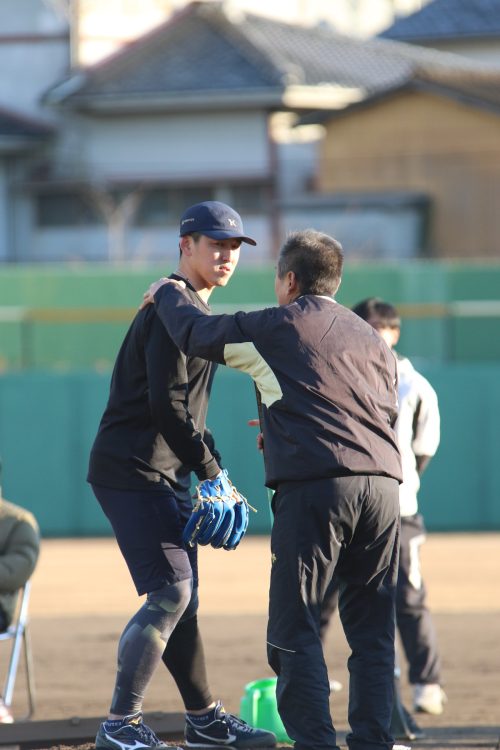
82	598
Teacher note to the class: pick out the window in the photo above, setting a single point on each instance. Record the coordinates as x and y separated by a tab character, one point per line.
65	210
249	198
163	206
154	207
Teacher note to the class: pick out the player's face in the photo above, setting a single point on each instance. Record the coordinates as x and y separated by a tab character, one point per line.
390	335
212	262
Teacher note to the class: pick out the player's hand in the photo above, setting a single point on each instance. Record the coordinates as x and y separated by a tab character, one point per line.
260	436
220	516
148	297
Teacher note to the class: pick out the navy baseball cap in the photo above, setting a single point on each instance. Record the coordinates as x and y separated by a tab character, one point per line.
214	219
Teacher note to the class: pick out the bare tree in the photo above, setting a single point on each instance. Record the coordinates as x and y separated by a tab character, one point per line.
118	211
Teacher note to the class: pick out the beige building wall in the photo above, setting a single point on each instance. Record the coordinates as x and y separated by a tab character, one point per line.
423	142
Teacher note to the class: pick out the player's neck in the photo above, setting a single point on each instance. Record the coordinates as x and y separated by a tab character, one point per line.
198	284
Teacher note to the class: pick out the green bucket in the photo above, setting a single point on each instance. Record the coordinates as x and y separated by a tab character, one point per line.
258	708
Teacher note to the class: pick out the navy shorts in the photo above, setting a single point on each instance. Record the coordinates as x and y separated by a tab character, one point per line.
148	526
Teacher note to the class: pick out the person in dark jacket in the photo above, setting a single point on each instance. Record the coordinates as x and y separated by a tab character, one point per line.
151	437
19	550
328	387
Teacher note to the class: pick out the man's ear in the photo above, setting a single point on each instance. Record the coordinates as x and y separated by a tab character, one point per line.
292	283
185	244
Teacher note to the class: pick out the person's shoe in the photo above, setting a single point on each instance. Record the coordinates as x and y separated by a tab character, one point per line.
429	699
5	715
401	747
129	732
216	728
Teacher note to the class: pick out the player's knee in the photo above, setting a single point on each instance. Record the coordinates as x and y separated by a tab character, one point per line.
172	598
192	607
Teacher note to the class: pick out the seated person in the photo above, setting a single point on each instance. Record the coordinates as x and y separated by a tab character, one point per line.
19	548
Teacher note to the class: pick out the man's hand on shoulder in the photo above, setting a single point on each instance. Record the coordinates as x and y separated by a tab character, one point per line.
148	297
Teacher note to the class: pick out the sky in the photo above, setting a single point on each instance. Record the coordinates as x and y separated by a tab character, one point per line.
106	25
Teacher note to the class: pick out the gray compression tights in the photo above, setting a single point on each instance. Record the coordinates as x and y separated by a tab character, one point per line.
143	642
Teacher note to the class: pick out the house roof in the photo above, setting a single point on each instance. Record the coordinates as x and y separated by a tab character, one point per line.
448	20
18	132
480	90
206	57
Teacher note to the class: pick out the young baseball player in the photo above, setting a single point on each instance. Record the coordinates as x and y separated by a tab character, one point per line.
418	433
151	436
327	383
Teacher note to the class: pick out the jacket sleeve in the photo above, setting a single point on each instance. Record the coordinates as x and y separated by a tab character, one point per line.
169	402
197	334
237	341
208	439
20	555
426	421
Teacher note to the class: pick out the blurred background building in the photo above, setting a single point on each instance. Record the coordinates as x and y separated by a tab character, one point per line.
208	100
372	120
100	28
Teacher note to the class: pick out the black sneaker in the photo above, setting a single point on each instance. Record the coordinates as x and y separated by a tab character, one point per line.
130	734
219	729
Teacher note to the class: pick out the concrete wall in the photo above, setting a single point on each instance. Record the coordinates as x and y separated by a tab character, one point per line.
139	153
174	146
139	245
34	53
368	232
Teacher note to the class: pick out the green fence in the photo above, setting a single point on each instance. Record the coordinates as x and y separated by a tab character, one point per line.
63	318
61	326
48	421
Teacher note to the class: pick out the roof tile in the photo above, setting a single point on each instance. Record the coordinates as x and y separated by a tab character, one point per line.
203	49
447	20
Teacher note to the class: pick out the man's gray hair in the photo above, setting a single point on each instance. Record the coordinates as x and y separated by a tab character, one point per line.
315	258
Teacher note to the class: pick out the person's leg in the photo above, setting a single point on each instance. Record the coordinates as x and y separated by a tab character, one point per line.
367	570
414	621
142	644
184	655
207	723
305	545
185	660
413	618
330	606
148	529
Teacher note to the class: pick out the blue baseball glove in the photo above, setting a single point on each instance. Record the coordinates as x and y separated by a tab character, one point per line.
220	515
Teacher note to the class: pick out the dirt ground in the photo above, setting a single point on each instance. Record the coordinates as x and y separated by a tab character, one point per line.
82	598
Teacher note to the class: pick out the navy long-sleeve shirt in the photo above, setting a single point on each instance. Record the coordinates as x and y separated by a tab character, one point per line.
153	428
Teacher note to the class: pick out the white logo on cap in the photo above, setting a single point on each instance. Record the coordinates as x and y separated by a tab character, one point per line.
232	222
184	221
